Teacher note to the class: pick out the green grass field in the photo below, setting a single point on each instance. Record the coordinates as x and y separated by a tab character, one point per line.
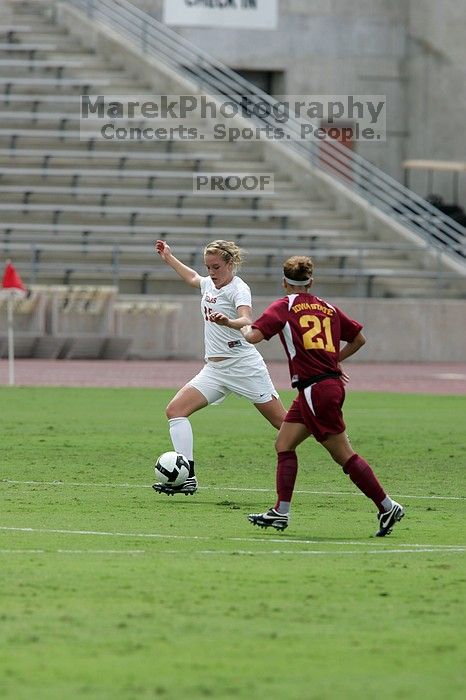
110	591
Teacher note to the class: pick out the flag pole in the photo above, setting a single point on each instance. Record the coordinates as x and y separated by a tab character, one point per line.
12	286
11	341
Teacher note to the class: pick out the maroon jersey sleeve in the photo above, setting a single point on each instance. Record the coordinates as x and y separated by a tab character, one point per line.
349	328
272	320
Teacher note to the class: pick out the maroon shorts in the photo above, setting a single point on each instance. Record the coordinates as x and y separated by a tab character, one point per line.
319	408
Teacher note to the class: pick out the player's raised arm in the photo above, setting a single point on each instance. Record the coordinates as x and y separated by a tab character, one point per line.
186	273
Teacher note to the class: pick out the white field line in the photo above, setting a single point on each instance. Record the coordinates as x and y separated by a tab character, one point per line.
281	540
217	488
244	552
449	375
73	551
98	533
320	552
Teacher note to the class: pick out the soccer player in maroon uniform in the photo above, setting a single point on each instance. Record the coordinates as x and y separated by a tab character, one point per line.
310	330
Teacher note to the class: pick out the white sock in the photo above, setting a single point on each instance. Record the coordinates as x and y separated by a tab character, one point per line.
181	435
283	507
387	504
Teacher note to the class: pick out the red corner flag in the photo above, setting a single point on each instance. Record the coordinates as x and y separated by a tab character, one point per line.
11	279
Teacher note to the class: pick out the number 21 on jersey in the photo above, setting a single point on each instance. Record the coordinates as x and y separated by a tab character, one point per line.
319	333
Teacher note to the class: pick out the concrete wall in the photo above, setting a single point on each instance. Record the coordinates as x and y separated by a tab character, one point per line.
411	50
325	47
396	330
437	95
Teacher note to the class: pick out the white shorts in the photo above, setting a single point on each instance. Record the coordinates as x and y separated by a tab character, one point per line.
248	377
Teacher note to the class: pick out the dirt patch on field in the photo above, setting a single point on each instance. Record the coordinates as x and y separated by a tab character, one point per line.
431	378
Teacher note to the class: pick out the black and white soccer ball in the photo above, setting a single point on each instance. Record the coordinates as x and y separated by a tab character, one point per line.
172	468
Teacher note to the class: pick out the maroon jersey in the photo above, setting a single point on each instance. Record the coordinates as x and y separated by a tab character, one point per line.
310	330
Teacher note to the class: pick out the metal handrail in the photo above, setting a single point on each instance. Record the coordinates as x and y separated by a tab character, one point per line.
352	170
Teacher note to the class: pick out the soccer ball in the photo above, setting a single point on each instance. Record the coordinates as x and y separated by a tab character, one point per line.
172	468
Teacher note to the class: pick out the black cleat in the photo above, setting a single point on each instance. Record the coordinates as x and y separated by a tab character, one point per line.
270	519
387	520
188	487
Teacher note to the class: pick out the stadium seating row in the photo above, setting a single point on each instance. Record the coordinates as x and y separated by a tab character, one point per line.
87	322
54	212
192	235
121	160
71	264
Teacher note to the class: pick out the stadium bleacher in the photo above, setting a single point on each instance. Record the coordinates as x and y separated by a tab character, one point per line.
67	198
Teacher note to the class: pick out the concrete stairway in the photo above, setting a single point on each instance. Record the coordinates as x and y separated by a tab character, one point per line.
84	210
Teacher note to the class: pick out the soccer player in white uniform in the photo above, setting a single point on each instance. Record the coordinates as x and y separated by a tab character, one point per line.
231	364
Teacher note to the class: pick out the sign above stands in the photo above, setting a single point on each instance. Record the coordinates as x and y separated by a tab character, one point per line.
229	14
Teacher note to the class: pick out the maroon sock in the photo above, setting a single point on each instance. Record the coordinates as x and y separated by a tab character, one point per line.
362	475
287	468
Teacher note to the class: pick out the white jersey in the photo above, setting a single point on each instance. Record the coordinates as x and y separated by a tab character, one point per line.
221	341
